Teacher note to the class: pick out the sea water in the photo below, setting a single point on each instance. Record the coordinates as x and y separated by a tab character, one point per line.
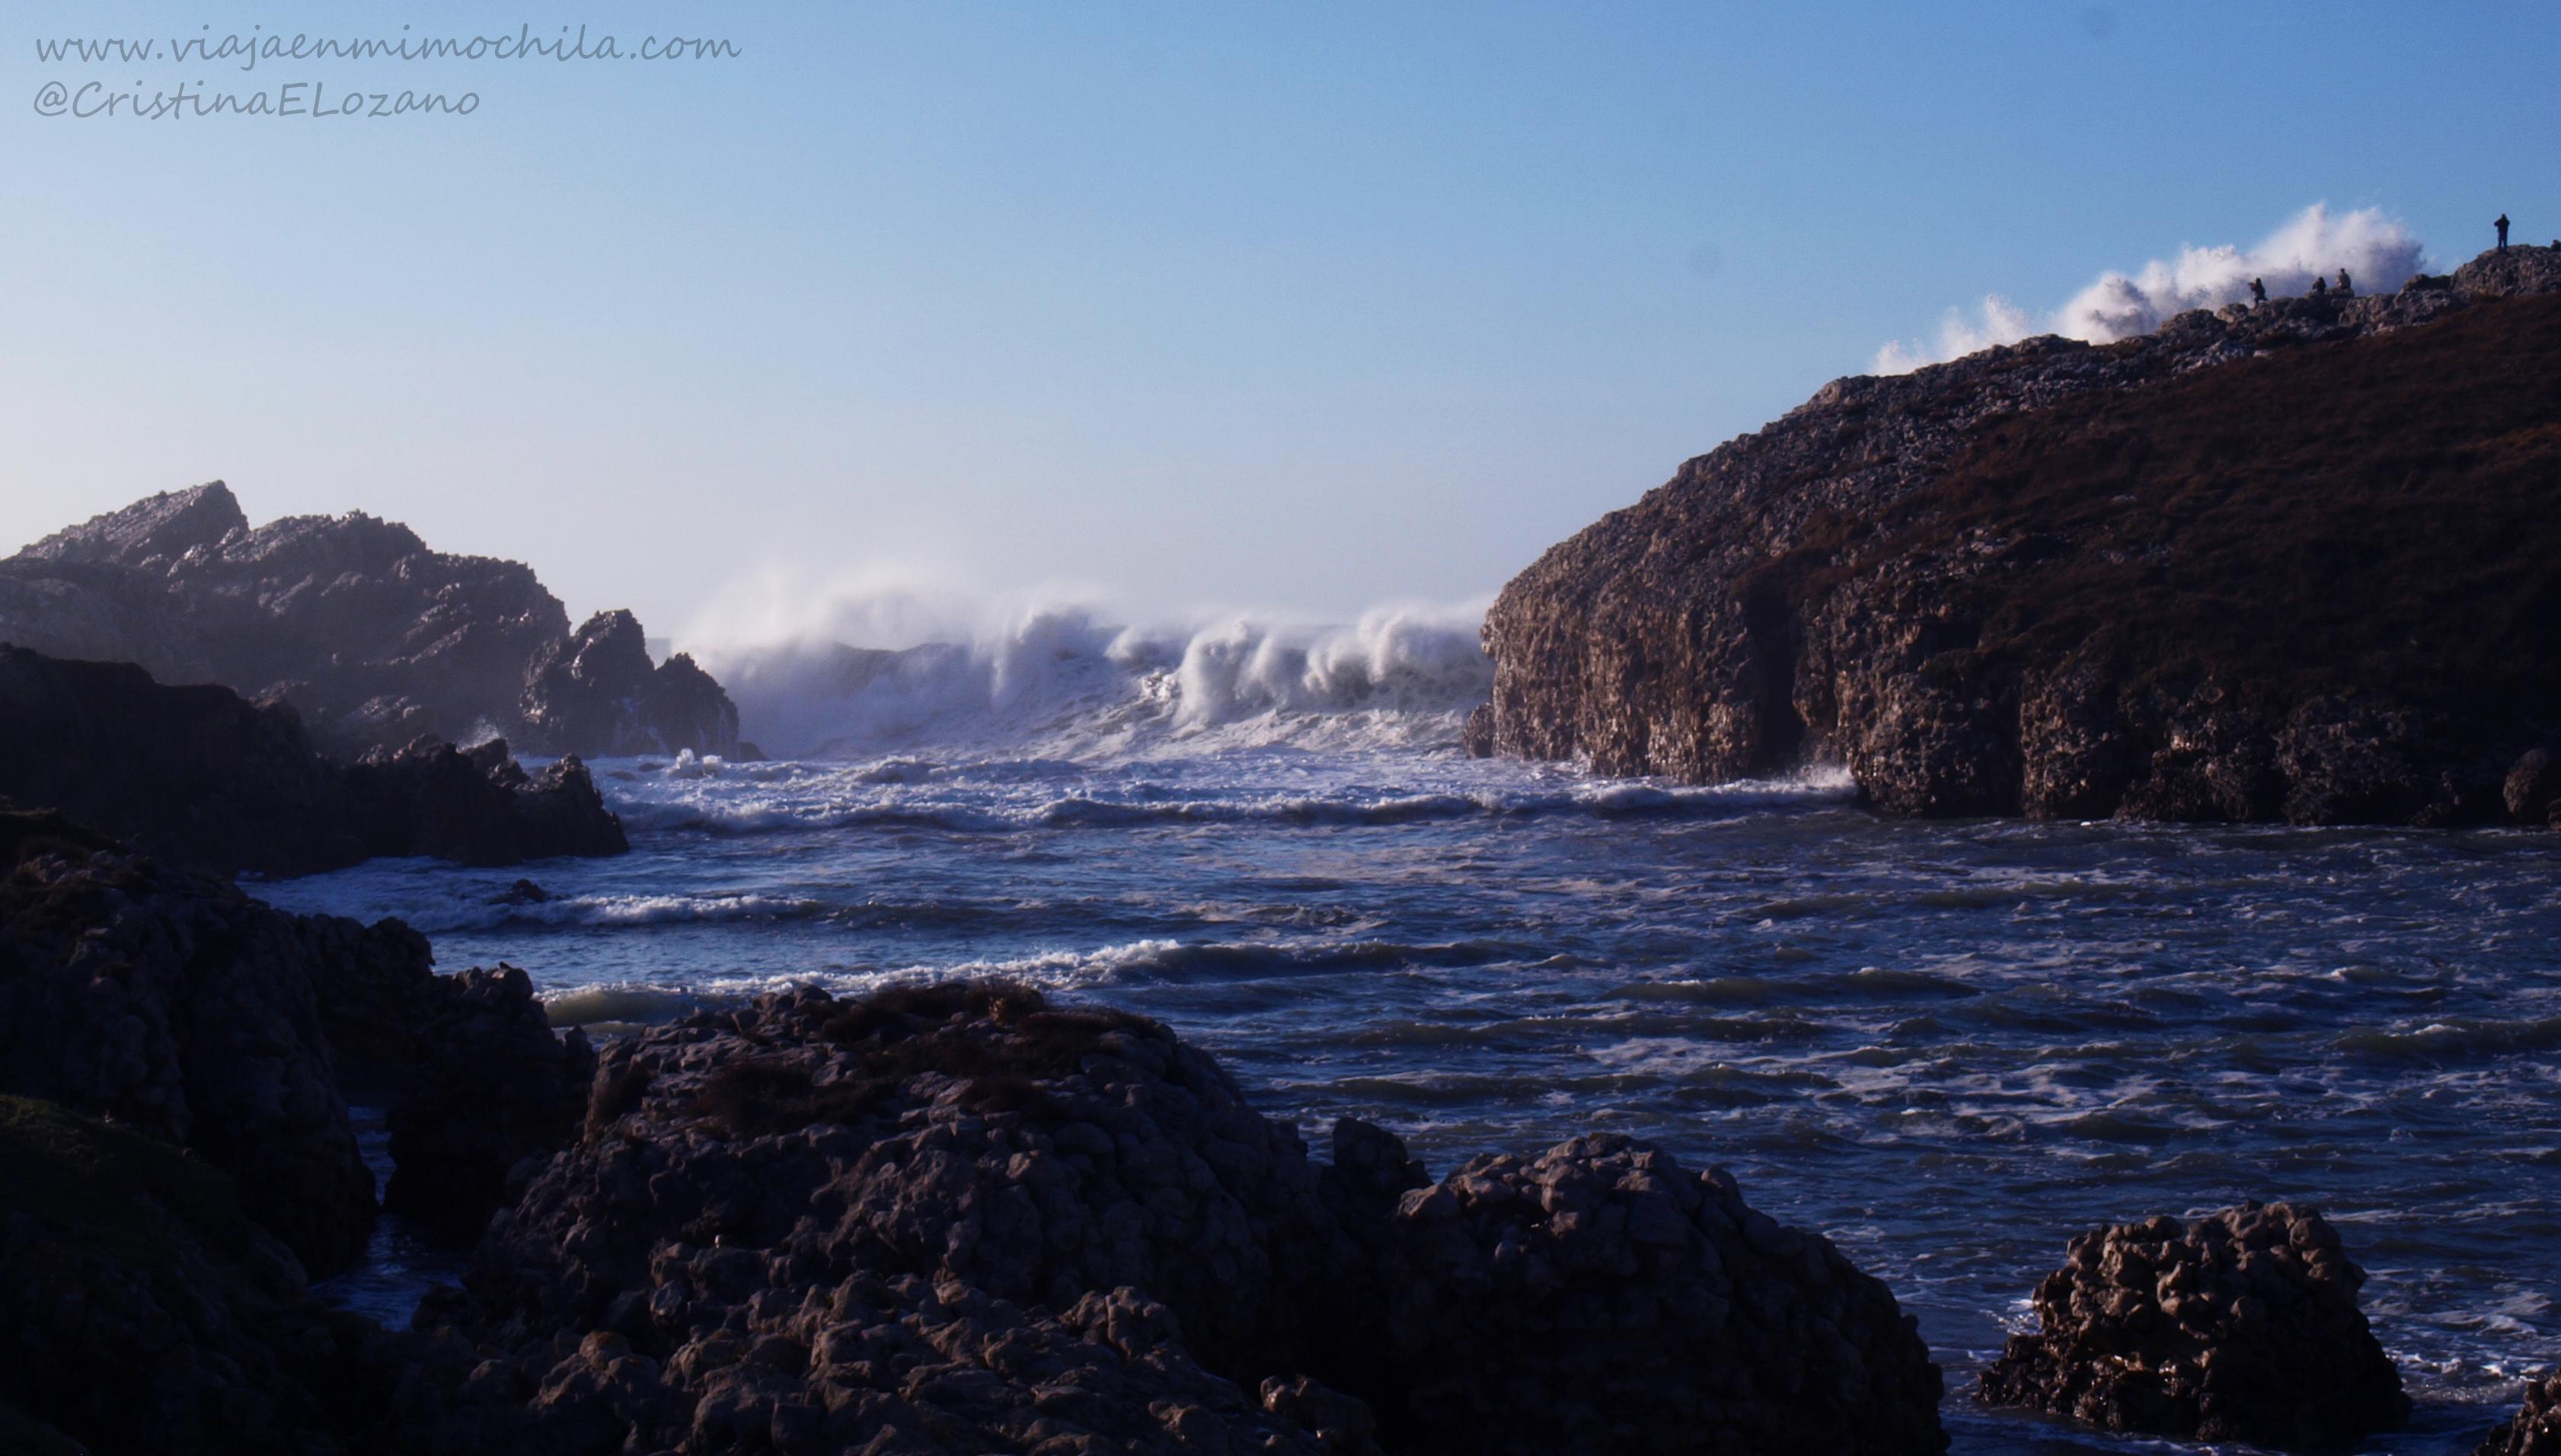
1951	1047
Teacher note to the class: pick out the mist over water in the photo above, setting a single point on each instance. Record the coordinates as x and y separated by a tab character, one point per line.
1949	1045
1067	681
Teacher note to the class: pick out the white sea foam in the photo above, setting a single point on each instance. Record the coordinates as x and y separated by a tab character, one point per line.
842	678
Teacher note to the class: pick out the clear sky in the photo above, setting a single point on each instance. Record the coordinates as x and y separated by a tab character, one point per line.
1289	306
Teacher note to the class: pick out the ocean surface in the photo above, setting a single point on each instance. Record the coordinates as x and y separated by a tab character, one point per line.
1950	1046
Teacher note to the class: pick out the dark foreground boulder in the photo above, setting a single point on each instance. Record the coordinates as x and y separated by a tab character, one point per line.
1599	1297
2241	1326
199	774
488	1085
958	1218
142	1310
187	1012
2535	1430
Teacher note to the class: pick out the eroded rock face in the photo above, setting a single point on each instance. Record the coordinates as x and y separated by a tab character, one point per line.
2535	1429
198	774
596	688
2241	1326
372	637
2289	562
958	1218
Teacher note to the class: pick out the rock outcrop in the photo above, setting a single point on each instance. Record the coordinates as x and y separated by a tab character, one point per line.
371	636
2241	1326
2289	562
188	1012
597	687
1598	1297
958	1218
198	774
143	1312
2535	1429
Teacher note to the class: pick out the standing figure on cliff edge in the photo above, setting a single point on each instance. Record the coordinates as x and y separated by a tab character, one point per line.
2258	291
2502	226
2346	289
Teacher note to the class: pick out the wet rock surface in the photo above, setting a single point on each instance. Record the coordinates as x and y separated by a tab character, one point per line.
2241	1326
371	636
2535	1429
197	773
958	1218
2283	563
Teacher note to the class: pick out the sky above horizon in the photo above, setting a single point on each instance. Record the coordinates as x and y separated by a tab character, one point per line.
1290	309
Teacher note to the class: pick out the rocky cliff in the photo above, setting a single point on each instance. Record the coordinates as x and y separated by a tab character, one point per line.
2301	560
373	637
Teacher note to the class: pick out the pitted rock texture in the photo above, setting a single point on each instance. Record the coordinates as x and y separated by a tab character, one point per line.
2287	561
195	773
960	1219
2241	1326
1601	1298
2535	1429
371	636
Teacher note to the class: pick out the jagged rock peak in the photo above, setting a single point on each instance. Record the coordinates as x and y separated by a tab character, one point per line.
164	525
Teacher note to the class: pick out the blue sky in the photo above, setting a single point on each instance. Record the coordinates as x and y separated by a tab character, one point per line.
1289	307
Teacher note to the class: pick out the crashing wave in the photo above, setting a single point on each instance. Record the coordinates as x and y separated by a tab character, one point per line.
1059	681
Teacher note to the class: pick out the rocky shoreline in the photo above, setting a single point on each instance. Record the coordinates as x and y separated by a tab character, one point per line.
2286	563
945	1219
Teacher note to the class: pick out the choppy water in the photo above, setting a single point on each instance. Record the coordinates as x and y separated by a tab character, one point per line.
1951	1047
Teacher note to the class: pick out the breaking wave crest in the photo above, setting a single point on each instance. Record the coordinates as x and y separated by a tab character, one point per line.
1066	683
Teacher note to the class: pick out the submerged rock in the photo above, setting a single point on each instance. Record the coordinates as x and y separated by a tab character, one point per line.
198	774
2241	1326
372	637
2294	561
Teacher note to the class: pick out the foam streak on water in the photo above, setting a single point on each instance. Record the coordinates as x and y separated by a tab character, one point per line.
1952	1046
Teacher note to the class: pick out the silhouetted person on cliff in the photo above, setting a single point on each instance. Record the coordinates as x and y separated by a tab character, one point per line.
2321	287
2502	226
2346	289
2258	291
